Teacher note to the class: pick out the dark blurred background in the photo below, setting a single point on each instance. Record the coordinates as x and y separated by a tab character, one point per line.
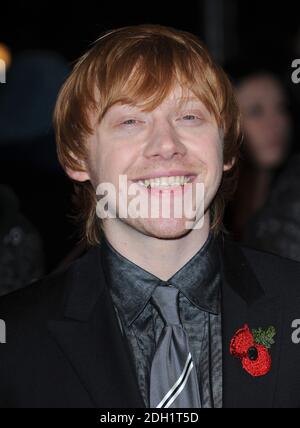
44	39
229	27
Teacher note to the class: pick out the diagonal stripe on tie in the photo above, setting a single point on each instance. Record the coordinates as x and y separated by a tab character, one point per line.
176	389
172	375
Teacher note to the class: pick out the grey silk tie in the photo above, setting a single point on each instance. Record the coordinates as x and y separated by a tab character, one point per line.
173	377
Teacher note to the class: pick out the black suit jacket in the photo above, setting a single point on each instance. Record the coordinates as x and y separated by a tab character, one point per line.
65	348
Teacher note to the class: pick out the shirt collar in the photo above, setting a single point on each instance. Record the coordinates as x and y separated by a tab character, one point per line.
132	287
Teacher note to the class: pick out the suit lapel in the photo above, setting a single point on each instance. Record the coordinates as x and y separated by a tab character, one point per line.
90	338
244	302
89	335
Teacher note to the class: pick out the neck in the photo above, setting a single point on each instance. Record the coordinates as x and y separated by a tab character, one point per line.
161	257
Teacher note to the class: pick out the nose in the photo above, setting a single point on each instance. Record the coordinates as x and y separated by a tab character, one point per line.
164	143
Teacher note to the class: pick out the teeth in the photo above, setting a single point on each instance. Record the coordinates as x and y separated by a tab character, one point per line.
165	181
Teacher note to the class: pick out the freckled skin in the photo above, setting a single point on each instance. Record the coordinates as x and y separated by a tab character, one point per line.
173	136
132	142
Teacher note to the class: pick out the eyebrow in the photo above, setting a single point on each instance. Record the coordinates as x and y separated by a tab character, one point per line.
177	101
186	99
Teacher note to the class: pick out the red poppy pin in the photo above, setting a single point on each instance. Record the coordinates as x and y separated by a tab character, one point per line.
252	348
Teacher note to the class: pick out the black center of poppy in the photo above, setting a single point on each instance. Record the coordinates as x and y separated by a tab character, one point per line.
253	354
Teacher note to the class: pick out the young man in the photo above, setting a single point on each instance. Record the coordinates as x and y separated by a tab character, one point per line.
162	311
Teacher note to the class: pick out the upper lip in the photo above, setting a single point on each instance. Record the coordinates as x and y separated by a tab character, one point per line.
174	173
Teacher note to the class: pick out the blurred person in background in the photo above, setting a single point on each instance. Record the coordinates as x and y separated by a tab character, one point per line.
276	228
267	131
21	248
28	161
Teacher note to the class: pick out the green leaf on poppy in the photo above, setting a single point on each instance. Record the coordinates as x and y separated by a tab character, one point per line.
264	337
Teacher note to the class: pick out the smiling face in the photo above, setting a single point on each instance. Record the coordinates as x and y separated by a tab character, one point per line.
178	139
121	112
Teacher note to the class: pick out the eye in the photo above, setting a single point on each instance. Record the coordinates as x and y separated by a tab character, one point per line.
255	110
129	122
190	117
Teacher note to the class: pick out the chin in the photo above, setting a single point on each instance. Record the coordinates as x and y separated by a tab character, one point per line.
164	228
272	163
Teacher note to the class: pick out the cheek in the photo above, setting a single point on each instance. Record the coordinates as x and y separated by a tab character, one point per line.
286	126
253	137
217	163
211	152
99	161
112	163
252	126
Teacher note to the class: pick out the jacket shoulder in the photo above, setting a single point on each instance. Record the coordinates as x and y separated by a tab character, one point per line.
47	297
36	299
276	274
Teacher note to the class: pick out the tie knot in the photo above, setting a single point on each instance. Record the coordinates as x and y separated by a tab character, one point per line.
165	299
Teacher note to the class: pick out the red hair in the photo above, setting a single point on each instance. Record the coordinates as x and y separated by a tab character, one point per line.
156	58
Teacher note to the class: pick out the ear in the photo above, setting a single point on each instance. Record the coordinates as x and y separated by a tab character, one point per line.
77	175
229	165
